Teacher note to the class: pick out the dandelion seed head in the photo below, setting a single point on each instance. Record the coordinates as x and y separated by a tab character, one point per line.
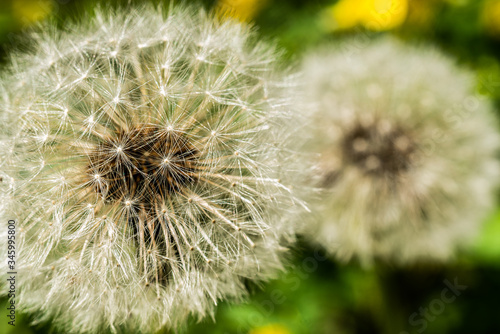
161	191
406	169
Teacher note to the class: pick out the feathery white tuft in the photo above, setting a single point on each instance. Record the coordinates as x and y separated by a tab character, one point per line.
146	158
407	149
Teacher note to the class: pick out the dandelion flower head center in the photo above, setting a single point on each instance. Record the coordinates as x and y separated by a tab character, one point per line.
148	161
378	148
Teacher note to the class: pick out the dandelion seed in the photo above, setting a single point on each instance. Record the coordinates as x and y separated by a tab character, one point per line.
150	221
402	178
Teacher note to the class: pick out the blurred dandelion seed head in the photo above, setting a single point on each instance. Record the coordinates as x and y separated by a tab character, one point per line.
148	159
407	162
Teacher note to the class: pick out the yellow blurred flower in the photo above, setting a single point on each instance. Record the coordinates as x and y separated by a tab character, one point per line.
491	16
270	329
372	14
29	11
243	10
422	12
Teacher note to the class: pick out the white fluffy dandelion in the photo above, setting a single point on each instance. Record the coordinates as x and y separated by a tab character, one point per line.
407	152
145	158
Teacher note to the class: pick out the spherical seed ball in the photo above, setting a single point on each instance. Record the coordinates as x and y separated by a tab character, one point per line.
407	150
149	155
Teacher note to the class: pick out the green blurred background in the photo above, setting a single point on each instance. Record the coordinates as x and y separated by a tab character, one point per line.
318	295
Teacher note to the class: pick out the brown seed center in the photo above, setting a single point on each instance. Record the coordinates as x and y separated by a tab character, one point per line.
379	148
142	163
